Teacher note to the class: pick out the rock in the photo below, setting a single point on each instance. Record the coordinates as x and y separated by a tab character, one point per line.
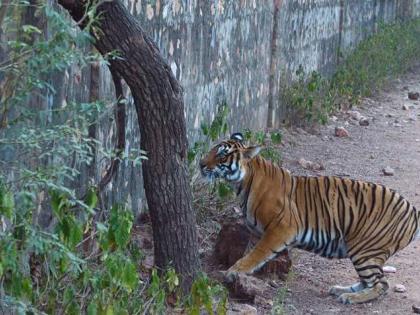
405	107
412	117
333	118
389	269
341	132
389	115
232	242
388	171
399	288
405	88
364	121
264	302
241	309
416	309
413	96
310	165
355	114
246	288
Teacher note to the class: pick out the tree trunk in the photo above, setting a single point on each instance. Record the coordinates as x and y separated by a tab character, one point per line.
158	99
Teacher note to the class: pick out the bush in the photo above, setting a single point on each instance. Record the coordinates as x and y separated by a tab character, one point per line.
383	55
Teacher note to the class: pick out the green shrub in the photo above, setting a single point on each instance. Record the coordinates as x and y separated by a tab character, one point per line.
381	56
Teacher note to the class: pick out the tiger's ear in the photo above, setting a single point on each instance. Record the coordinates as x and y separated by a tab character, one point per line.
237	136
251	152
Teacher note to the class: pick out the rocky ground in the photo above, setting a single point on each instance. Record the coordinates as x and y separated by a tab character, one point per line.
379	141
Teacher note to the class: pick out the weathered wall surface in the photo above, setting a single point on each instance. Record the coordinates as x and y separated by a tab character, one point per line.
237	52
222	51
315	33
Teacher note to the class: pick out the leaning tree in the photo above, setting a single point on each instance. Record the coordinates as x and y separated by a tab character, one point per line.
158	99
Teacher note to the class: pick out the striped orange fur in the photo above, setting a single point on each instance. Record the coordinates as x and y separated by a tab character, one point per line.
332	216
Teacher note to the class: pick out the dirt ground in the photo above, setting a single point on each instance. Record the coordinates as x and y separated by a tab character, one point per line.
391	139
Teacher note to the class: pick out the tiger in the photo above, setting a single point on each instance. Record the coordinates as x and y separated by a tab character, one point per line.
332	216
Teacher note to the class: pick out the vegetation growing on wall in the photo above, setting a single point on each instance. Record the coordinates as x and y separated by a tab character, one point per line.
383	55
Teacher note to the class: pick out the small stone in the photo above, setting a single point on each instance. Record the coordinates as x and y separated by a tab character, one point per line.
355	114
333	118
399	288
237	210
413	96
259	300
389	269
237	309
405	107
416	309
246	287
341	132
417	140
389	115
311	165
388	171
412	117
405	88
364	121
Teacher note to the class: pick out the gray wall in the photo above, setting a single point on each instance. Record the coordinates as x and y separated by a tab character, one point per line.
225	51
221	52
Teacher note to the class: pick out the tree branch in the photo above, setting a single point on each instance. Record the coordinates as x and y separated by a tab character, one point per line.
120	126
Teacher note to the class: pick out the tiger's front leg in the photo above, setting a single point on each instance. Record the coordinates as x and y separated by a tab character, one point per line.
272	243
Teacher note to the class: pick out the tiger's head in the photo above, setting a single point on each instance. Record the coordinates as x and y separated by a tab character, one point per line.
228	159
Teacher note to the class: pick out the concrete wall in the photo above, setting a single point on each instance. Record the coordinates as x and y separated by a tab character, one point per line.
234	51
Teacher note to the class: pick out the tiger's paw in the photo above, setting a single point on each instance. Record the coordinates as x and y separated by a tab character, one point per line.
336	291
231	275
347	298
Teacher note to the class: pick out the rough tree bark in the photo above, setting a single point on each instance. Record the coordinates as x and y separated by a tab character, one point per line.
159	103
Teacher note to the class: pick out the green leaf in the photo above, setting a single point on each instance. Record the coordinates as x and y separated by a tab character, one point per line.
68	295
204	129
91	198
92	309
29	29
121	221
276	137
130	278
27	287
224	190
7	202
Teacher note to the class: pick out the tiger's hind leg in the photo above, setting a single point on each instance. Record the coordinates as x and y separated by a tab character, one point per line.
372	279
